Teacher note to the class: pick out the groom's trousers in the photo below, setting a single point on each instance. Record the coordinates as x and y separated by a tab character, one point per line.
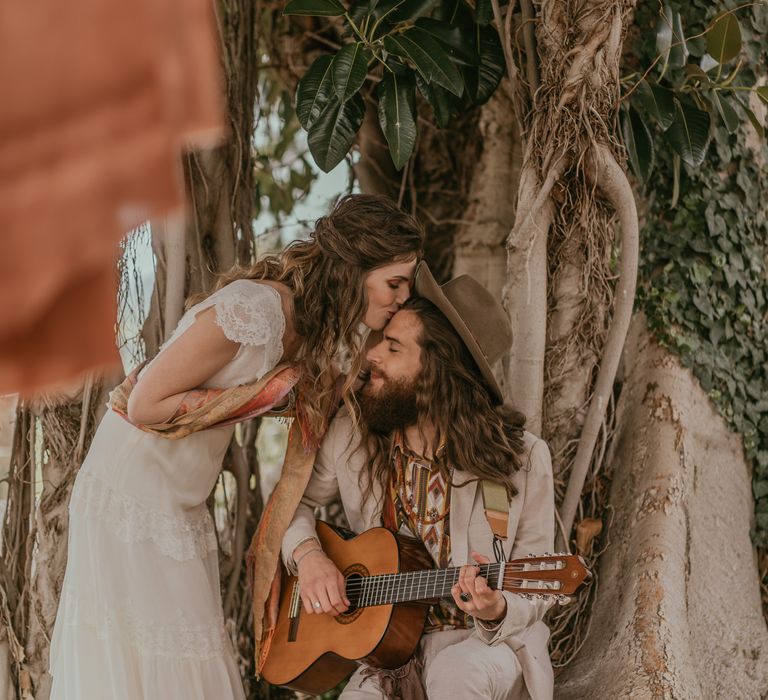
457	666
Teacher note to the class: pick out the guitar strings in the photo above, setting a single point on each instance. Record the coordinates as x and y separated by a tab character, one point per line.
431	575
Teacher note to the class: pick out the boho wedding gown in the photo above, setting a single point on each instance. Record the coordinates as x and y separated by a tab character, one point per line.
140	615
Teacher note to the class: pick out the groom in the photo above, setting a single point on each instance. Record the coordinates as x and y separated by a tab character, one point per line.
433	438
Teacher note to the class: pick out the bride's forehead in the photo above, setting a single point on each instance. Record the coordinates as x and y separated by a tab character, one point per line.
401	269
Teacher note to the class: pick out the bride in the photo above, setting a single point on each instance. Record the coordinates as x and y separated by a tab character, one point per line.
140	613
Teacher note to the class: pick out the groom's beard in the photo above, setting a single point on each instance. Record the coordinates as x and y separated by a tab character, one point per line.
390	407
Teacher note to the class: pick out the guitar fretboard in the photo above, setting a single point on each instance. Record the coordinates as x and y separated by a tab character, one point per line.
386	589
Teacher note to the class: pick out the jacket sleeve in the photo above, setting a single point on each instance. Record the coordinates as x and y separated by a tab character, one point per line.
535	535
321	490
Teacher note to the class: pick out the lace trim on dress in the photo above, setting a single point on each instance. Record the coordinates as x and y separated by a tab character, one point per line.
176	638
246	316
130	520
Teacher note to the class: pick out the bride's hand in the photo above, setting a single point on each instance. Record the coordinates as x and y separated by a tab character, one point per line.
320	582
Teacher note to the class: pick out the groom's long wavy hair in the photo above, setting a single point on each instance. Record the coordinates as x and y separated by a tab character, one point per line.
481	439
326	274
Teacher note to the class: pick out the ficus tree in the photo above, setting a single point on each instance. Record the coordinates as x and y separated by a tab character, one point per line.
545	215
507	127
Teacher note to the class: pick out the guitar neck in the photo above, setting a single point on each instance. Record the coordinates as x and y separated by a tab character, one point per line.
386	589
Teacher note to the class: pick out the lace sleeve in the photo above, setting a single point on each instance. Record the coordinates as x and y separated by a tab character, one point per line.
250	313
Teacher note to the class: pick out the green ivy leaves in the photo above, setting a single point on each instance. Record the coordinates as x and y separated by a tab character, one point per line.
703	264
444	47
687	98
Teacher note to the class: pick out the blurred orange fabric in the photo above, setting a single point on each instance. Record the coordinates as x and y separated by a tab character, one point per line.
98	98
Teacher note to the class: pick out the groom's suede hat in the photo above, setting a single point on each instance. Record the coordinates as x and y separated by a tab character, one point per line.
475	314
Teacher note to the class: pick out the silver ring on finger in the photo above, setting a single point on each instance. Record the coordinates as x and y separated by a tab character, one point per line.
466	597
316	605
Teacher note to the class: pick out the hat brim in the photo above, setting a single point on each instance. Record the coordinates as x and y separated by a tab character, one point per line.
426	286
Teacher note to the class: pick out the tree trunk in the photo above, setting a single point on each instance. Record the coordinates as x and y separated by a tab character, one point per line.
67	425
479	242
678	614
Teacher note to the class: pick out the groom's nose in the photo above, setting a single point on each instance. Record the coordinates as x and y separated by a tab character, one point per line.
374	355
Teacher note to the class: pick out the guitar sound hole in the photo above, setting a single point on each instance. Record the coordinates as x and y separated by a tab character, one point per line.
353	581
353	576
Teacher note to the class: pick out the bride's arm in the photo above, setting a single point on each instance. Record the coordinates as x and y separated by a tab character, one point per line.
200	352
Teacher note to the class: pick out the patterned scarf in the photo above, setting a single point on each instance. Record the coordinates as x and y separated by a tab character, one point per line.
201	409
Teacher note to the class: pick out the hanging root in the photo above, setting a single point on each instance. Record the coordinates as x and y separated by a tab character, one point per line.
613	182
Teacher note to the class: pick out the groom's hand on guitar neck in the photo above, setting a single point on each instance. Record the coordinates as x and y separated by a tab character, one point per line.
321	584
479	600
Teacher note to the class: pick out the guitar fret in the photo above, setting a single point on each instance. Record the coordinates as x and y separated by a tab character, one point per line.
368	592
386	589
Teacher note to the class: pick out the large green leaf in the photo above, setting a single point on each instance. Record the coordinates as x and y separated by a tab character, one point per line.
314	90
727	112
359	10
451	36
332	135
428	56
350	66
481	81
657	101
678	53
670	40
638	142
724	38
664	34
394	11
444	104
689	133
762	93
455	12
315	8
397	100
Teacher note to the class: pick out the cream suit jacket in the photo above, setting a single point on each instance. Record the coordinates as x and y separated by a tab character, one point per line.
337	472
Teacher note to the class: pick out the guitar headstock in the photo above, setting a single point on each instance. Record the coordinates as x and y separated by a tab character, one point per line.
543	576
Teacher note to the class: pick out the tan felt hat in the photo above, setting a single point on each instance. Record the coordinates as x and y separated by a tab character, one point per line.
475	314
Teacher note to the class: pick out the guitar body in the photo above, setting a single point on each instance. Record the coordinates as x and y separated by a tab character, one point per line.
314	653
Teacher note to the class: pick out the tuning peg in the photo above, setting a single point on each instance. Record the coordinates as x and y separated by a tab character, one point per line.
531	554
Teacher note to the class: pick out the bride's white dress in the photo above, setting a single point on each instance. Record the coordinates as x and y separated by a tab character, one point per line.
140	616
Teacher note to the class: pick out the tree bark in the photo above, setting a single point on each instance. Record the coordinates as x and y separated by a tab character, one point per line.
525	294
479	243
679	613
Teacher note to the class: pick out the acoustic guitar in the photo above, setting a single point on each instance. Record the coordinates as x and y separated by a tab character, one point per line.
389	583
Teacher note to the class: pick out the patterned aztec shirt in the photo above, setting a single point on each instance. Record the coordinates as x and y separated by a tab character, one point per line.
417	503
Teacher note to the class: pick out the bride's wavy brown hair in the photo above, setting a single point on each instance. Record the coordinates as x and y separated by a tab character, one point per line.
326	274
480	437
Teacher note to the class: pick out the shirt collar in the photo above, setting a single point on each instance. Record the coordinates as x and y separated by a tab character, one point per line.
399	447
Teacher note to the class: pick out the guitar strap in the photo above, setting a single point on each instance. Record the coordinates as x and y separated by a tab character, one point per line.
496	506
